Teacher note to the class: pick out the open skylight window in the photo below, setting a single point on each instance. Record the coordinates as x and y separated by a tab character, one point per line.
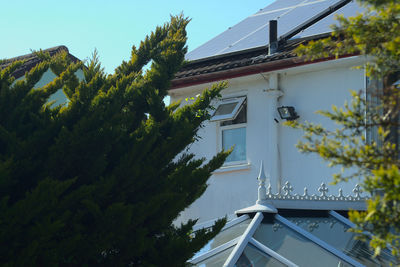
228	109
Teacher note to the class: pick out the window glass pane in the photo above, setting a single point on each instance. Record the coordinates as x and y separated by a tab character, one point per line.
217	260
240	118
252	257
225	236
294	246
228	109
235	137
224	109
335	233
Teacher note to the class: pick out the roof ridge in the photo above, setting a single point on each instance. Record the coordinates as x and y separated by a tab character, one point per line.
31	60
51	50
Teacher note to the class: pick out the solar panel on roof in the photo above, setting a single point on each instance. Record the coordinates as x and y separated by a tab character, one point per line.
324	25
287	18
280	4
253	31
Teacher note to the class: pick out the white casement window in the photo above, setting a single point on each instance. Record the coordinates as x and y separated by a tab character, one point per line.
228	109
231	115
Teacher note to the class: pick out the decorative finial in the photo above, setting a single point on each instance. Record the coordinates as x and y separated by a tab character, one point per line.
262	190
323	189
357	191
262	204
287	188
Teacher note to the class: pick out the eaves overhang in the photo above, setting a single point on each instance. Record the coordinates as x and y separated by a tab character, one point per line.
284	63
235	72
245	62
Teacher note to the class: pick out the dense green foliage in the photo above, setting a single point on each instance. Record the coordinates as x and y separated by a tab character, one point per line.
100	180
375	34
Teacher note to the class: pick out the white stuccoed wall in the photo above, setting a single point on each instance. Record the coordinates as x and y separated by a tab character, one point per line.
308	88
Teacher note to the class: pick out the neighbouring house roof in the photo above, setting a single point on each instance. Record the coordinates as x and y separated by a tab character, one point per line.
31	60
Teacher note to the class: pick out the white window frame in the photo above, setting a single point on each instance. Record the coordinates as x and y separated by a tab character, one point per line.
230	127
240	101
230	116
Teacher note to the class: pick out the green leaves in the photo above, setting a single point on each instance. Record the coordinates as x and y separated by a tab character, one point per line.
365	140
99	180
373	33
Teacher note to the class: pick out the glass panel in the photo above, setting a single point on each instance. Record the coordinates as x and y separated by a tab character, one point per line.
225	236
235	137
335	234
217	260
228	109
252	257
225	109
294	246
240	118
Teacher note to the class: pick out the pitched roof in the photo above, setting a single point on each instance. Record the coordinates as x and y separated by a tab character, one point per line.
252	32
240	63
243	49
31	60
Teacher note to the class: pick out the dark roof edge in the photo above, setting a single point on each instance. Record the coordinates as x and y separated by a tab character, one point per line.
32	60
245	71
58	48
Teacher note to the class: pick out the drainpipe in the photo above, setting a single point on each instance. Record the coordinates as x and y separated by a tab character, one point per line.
274	164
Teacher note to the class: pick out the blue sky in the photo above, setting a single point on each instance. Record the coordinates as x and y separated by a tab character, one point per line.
110	26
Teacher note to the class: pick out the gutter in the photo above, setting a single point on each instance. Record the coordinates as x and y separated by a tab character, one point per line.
245	71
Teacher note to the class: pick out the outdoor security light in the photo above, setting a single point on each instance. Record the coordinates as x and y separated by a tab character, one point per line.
287	113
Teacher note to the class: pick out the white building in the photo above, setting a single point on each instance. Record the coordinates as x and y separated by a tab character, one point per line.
263	75
297	220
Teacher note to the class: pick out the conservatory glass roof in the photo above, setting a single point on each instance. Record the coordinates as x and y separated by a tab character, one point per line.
262	235
316	238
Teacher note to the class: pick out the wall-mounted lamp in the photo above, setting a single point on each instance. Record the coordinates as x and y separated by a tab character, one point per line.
287	113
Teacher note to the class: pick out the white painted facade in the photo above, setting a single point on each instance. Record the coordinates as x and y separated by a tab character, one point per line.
308	88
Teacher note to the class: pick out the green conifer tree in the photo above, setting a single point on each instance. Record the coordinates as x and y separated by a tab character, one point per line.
100	180
376	35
